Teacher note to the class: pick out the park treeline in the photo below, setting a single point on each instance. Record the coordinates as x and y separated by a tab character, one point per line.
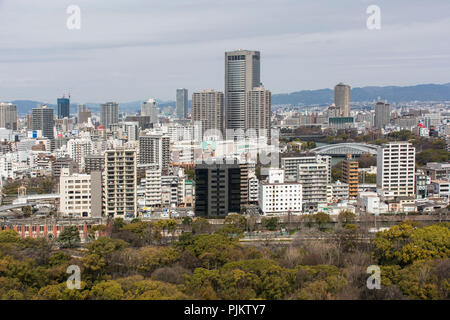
134	262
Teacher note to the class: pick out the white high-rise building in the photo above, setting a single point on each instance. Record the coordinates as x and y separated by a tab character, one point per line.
78	149
153	186
277	197
314	173
396	168
290	165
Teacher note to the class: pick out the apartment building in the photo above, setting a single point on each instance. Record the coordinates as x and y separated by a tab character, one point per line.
120	182
277	197
396	168
290	165
350	176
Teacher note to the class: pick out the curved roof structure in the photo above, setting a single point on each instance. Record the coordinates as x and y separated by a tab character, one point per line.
346	148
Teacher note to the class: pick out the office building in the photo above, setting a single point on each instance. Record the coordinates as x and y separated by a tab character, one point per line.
258	113
208	109
63	108
217	189
242	74
43	120
396	168
350	176
342	99
277	197
382	114
155	149
120	183
182	104
8	116
83	113
109	114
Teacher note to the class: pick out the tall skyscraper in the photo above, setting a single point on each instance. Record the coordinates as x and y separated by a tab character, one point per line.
63	108
396	168
109	114
382	114
120	182
42	118
242	74
182	104
150	109
258	112
8	116
208	108
342	99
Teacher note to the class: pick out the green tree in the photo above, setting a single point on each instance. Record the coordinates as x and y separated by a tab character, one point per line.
201	225
9	236
270	223
346	217
405	243
69	237
322	218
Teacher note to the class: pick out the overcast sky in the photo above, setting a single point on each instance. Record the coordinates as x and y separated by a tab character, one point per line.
130	50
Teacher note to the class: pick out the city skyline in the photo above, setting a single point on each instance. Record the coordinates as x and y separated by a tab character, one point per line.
300	50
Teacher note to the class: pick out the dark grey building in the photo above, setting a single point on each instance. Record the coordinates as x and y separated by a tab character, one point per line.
217	189
109	114
94	162
63	108
155	149
42	119
382	114
182	104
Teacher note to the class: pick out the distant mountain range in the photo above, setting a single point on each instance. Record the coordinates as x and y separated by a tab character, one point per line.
423	92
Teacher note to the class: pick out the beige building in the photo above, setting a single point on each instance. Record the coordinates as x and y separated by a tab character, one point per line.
208	108
80	194
257	115
120	182
342	99
8	116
